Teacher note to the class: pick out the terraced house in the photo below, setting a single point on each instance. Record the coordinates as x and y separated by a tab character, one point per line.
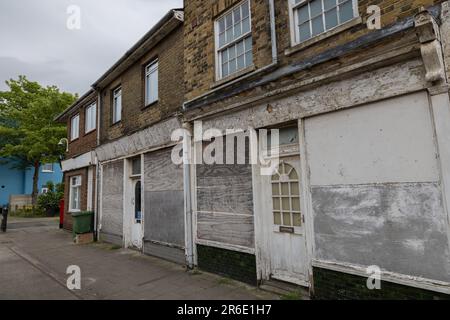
141	200
79	167
363	115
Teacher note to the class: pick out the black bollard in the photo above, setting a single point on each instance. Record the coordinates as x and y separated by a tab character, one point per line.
4	212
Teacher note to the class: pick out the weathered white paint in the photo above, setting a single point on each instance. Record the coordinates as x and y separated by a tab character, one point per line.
386	141
281	256
440	106
156	136
82	161
445	35
90	188
395	80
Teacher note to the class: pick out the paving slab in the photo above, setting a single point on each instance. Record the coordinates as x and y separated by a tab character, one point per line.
35	254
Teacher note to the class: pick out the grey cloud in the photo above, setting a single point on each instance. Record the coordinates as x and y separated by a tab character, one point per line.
34	39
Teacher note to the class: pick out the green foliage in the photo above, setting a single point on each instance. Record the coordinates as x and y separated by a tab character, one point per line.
50	201
29	135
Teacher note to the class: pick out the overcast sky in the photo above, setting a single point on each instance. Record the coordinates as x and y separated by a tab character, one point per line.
35	40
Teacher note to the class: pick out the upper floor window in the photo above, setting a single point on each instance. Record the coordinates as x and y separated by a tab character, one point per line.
48	167
91	118
75	127
234	40
313	17
117	105
151	83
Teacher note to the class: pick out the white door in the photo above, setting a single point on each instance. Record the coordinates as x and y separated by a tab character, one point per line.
285	223
136	223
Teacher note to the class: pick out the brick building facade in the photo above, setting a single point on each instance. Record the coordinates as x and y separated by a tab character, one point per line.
358	110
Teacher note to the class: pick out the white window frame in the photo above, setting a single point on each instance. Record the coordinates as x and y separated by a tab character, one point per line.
293	18
218	49
150	69
71	190
117	116
90	121
44	190
75	130
48	168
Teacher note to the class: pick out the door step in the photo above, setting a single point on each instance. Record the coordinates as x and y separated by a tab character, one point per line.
288	290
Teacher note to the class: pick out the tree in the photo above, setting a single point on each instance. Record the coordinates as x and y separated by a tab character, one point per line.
29	135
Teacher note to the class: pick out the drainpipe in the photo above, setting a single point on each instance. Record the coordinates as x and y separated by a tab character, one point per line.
97	171
273	39
187	189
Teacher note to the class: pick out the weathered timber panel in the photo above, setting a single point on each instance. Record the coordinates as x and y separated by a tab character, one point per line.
387	141
226	228
112	199
164	203
400	228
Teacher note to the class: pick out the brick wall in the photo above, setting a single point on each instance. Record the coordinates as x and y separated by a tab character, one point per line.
84	193
236	265
135	115
86	141
333	285
199	39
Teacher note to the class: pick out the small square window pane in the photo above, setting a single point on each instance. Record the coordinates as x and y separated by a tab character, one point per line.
225	56
245	25
245	10
328	4
304	31
303	14
316	8
331	19
225	70
240	48
275	189
241	62
248	43
346	11
276	204
237	14
297	219
232	53
229	34
228	21
221	25
287	219
277	218
222	40
237	30
285	189
285	204
294	189
232	66
317	25
248	58
295	204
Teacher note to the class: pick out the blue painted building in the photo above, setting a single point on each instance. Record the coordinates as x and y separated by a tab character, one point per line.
17	182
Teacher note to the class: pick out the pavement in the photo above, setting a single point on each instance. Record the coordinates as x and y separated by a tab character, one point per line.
35	255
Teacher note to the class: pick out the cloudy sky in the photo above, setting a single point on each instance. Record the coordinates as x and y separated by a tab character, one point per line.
35	40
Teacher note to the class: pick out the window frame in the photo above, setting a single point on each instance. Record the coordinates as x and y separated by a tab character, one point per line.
294	26
72	137
44	170
88	129
218	50
71	188
147	73
114	118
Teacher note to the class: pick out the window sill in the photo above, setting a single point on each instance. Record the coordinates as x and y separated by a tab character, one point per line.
74	211
116	124
89	132
74	140
233	76
347	25
150	104
47	171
